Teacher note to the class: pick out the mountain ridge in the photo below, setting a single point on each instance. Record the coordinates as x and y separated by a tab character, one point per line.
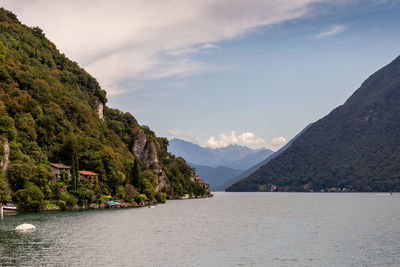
230	156
219	165
353	148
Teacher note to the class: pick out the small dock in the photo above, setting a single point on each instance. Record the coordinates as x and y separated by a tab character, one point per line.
7	209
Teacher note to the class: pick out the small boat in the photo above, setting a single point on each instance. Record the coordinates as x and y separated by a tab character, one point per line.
25	227
152	206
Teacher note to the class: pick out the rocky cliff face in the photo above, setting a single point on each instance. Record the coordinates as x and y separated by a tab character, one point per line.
144	150
4	163
196	179
100	108
162	180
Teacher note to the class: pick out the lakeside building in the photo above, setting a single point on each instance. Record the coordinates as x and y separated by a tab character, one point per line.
89	176
59	169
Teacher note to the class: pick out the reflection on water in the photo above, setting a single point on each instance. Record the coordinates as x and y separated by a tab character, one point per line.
231	229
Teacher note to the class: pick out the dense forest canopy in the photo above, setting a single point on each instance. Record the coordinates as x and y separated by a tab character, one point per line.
49	113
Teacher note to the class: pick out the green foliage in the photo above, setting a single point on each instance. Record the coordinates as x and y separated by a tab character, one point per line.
75	169
62	204
7	128
131	192
84	196
147	184
29	199
4	192
140	199
121	194
160	197
70	202
19	173
135	174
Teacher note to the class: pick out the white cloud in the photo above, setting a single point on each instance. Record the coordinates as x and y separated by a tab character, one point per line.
127	42
278	142
333	30
245	139
182	134
191	51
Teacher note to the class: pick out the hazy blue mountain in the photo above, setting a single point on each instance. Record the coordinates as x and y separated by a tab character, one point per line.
215	177
220	165
251	159
355	147
233	156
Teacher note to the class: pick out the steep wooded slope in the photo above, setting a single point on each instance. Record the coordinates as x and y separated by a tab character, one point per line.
51	110
355	147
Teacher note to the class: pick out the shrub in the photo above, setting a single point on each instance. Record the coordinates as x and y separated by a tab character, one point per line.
131	191
7	127
70	202
62	204
161	197
29	199
140	199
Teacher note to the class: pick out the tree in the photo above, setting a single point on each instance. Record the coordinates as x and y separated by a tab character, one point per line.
4	192
135	174
75	169
29	199
18	174
7	127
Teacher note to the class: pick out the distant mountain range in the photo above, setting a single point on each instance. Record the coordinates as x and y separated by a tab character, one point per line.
220	165
354	148
233	156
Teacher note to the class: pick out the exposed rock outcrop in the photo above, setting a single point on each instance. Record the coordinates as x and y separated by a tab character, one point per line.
100	108
6	148
143	149
162	180
196	179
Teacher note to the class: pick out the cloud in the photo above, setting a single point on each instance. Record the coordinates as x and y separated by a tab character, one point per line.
182	134
205	48
245	139
333	30
124	42
278	142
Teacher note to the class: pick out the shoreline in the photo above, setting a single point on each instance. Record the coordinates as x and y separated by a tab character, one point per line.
104	206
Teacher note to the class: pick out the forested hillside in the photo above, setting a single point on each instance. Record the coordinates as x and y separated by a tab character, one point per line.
53	111
354	148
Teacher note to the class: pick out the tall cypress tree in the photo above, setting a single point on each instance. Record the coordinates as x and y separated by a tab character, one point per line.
75	169
135	174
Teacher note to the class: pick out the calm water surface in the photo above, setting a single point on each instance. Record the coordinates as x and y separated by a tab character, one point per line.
231	229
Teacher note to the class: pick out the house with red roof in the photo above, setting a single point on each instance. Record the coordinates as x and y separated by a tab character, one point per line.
59	169
89	176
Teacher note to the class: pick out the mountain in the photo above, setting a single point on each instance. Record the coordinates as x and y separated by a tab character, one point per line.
251	159
216	177
218	166
53	111
257	166
233	156
355	147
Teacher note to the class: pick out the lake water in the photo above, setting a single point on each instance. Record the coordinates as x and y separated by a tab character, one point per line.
231	229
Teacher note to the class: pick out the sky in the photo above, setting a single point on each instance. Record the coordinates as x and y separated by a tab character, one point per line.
220	72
